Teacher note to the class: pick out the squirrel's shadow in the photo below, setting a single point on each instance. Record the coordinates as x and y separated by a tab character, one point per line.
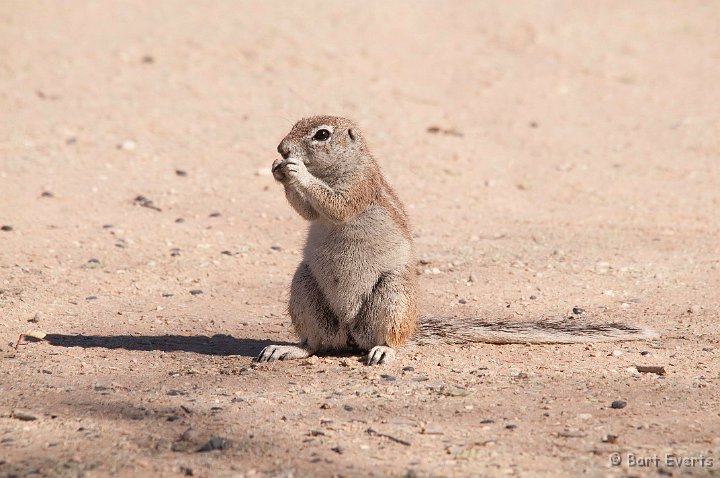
218	344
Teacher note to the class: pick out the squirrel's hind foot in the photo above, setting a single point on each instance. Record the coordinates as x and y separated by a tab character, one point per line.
282	352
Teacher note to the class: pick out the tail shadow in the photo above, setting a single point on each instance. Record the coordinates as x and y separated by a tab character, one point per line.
218	344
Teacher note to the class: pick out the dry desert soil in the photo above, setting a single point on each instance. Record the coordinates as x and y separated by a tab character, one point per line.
552	155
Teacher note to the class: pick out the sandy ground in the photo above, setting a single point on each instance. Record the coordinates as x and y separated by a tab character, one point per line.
551	154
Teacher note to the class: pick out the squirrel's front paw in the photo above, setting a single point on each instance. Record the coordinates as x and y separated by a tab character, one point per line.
290	170
296	171
277	169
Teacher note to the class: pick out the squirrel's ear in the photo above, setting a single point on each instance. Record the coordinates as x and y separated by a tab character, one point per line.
352	135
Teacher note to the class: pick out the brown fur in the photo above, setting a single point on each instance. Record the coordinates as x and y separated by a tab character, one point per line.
405	325
342	204
386	198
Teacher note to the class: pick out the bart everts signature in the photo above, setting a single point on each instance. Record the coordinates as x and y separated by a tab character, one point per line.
669	460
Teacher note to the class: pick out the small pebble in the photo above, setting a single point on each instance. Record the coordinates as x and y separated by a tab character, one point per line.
127	145
196	292
36	318
6	228
147	59
179	220
338	449
462	301
91	297
618	404
578	310
645	352
24	415
47	194
348	408
609	438
167	294
433	429
215	443
276	248
602	267
472	277
616	353
107	226
511	426
487	421
387	377
694	309
312	360
226	253
533	297
408	369
215	214
181	172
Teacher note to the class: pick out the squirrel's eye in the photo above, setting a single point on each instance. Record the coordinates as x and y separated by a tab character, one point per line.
321	135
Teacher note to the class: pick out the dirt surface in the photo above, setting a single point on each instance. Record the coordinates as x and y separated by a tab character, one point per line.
551	154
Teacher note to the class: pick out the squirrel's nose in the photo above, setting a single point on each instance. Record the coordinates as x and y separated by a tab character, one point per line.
284	150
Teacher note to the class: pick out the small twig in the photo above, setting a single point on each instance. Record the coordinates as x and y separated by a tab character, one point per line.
18	344
141	200
35	334
373	432
658	369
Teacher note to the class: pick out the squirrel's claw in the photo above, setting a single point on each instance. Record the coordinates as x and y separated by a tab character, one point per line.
381	355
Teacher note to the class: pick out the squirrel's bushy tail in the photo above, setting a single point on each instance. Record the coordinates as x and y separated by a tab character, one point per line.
435	330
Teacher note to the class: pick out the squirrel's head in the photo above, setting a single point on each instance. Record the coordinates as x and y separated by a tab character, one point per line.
329	146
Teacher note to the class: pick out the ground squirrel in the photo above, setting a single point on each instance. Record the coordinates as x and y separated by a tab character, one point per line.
356	286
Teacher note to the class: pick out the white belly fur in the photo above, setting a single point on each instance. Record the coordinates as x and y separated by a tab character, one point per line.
347	259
